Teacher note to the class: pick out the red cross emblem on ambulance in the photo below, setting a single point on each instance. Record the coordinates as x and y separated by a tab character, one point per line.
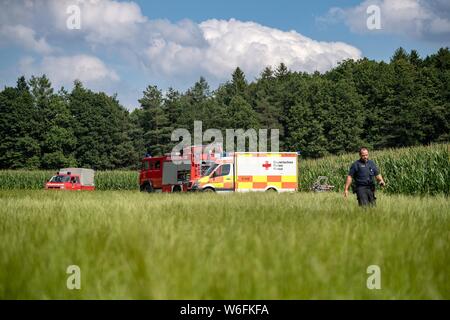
267	165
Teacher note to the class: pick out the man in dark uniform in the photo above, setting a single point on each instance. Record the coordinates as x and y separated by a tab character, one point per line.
363	171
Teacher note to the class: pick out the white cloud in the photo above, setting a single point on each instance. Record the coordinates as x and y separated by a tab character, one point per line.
211	48
414	18
102	21
155	50
64	70
228	44
25	37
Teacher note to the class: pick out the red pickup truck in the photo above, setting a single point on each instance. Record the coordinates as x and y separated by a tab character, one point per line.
72	179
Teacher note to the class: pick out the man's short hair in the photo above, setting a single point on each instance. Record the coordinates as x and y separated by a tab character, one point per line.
362	149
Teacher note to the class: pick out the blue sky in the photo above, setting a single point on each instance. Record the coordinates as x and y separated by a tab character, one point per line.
123	46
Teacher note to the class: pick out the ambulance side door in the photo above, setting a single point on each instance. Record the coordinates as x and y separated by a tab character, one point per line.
229	178
222	178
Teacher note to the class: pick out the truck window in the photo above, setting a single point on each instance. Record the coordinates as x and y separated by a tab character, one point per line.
157	165
145	165
75	180
60	178
223	170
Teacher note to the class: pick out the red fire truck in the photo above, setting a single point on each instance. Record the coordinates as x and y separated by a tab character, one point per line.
161	174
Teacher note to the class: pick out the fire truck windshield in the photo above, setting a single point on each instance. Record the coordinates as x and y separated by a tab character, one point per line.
60	178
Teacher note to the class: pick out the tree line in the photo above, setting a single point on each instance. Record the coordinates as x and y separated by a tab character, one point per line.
403	102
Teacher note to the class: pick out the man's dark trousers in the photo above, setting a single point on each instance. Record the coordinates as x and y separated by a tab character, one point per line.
366	196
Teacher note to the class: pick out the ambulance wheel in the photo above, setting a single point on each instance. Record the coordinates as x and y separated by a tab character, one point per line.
209	190
271	190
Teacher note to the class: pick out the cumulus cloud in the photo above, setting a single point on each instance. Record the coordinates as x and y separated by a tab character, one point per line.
250	45
25	37
415	18
213	47
102	21
64	70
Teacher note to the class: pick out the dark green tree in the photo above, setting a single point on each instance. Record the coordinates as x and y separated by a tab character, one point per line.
19	128
154	122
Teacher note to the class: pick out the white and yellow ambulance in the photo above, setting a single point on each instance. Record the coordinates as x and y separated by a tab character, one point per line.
251	171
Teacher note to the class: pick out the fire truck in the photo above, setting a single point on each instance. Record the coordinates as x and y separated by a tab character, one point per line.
162	174
251	171
72	179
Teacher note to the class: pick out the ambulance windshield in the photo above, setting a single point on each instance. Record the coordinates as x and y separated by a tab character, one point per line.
210	169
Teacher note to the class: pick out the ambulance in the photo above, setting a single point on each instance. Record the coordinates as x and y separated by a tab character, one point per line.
251	171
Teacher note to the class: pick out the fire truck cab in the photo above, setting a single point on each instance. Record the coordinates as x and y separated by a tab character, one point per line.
161	174
150	176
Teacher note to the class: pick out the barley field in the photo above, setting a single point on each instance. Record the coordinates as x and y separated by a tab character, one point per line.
131	245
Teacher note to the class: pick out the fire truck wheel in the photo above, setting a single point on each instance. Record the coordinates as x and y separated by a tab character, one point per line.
176	189
209	190
147	188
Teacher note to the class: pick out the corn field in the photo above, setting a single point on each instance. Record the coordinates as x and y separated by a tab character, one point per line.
104	180
117	180
24	179
416	171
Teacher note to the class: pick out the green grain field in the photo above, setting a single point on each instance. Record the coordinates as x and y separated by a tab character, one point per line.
131	245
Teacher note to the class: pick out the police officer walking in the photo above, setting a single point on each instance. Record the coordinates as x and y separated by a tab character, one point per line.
363	171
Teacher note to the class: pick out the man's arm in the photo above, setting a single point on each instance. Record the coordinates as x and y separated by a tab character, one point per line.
378	176
380	180
348	182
